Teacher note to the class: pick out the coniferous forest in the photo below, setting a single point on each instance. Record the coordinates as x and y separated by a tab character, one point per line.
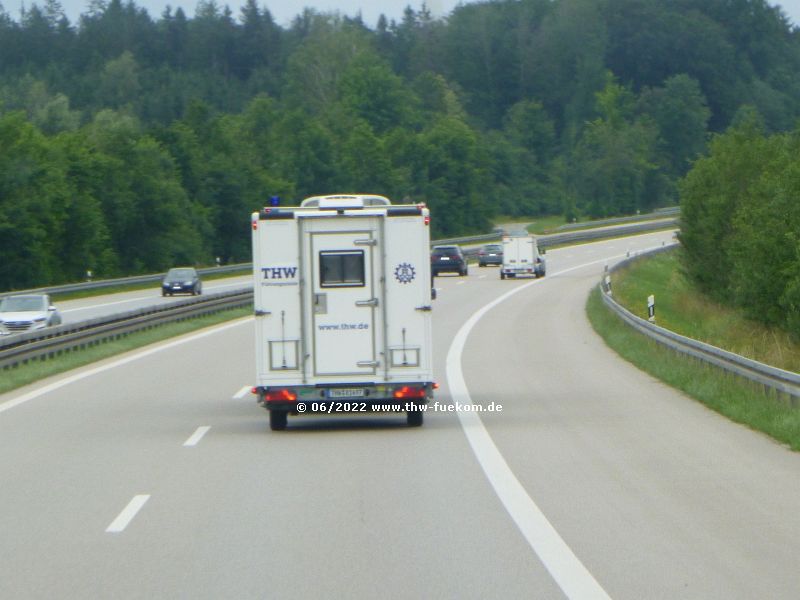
132	142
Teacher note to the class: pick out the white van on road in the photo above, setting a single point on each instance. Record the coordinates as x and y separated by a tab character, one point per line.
521	257
343	307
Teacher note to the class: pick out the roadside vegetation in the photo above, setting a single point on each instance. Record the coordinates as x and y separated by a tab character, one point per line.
685	309
732	397
130	143
36	370
741	223
547	224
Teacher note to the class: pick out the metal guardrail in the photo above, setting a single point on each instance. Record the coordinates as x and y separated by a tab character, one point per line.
122	281
658	214
779	380
21	348
557	239
543	240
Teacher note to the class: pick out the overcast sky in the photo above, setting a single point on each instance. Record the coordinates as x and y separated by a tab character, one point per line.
284	10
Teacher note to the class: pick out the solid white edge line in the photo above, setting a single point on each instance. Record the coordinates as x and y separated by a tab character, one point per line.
195	438
566	569
9	404
128	513
242	392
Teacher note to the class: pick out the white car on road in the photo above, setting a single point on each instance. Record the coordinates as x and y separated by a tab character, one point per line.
28	312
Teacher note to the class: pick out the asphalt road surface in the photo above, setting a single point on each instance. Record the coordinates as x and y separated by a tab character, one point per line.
156	476
83	309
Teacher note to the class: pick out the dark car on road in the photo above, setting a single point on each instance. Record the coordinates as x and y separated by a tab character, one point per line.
448	259
490	254
183	280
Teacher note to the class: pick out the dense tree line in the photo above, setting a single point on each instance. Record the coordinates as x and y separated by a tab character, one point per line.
741	222
130	143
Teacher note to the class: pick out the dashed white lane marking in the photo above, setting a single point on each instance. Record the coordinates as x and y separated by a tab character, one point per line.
461	283
242	393
195	438
128	513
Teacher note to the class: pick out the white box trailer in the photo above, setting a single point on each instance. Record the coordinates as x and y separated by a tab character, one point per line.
521	257
343	307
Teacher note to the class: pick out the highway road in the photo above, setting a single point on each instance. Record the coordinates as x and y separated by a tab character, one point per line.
155	475
83	309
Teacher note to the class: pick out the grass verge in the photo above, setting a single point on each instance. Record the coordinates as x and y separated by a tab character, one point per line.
35	370
682	308
730	396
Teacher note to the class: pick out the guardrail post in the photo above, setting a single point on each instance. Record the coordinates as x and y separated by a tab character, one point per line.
733	366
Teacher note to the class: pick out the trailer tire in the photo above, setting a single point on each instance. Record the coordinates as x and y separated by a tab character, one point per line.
278	419
502	275
414	418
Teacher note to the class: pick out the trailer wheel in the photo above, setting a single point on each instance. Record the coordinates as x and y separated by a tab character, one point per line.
502	275
278	419
414	418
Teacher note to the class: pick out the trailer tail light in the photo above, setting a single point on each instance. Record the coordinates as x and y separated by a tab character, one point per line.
426	219
435	385
255	224
409	392
280	396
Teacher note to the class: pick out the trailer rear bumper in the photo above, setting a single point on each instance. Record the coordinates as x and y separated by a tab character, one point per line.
356	397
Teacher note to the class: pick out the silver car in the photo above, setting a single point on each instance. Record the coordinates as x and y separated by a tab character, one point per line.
22	313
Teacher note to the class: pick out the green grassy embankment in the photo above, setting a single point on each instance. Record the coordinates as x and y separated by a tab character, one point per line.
684	310
681	308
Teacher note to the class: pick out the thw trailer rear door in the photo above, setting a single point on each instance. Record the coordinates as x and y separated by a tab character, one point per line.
344	272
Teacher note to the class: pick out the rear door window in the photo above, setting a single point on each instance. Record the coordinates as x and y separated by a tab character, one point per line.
341	268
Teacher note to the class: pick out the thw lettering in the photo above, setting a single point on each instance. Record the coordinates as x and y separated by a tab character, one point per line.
279	272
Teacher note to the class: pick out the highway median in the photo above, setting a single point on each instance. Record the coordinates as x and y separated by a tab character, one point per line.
35	370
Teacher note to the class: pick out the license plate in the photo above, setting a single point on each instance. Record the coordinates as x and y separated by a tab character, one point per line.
346	393
445	258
